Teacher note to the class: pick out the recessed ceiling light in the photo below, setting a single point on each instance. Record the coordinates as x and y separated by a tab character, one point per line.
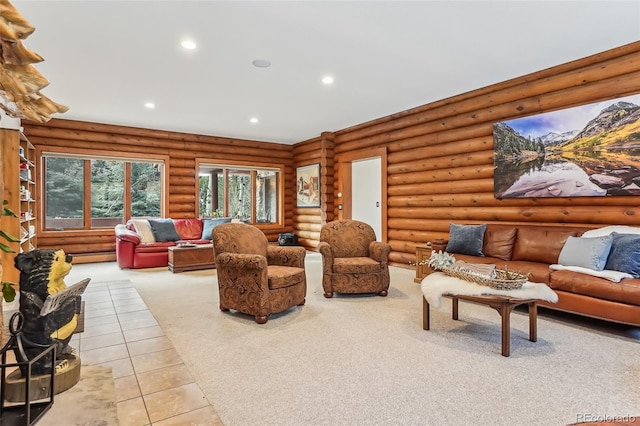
150	105
327	79
253	120
261	63
188	44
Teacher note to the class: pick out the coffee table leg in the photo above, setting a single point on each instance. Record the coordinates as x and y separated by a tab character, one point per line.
425	314
533	321
454	308
505	312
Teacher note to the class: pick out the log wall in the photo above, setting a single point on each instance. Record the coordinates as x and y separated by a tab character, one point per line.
439	159
308	221
440	155
181	149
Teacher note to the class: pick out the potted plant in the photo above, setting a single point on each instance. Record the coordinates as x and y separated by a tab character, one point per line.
8	290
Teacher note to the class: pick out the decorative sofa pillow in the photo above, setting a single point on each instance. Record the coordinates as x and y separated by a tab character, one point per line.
591	253
164	230
209	224
143	228
466	239
625	254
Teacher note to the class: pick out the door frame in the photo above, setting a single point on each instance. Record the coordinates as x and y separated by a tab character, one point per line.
344	186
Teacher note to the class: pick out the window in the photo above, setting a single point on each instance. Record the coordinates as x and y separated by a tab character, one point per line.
90	193
250	194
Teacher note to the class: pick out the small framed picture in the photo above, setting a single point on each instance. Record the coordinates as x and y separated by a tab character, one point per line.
308	186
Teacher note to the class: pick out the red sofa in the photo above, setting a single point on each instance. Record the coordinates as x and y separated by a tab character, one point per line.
132	253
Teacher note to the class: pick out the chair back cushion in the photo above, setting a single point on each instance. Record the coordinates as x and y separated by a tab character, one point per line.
348	238
239	238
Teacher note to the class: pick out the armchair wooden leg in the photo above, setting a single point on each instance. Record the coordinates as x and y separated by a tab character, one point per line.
261	319
383	293
223	309
328	295
303	302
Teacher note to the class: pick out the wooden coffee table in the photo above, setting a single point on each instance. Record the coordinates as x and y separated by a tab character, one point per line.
191	258
504	305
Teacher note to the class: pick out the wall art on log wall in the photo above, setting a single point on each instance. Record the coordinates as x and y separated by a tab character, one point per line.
308	185
587	151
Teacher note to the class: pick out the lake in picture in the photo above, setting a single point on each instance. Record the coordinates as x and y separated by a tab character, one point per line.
586	151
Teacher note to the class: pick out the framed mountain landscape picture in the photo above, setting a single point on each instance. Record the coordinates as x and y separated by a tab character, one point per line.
587	151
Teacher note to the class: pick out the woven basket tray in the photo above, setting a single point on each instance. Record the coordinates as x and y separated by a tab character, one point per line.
498	283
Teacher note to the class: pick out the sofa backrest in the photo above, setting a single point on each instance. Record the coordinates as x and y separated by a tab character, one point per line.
542	243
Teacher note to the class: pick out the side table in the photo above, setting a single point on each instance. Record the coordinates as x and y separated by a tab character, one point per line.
422	254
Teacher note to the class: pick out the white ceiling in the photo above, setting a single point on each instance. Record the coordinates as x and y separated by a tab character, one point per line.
105	59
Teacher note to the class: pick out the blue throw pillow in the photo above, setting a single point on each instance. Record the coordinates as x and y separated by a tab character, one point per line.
625	254
164	230
209	224
591	253
466	239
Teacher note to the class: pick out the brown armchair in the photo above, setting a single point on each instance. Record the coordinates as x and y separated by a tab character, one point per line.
352	260
254	277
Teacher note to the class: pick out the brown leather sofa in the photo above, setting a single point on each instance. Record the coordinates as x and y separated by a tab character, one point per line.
531	249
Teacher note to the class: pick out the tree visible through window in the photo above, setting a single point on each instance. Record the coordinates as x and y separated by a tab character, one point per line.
66	188
252	194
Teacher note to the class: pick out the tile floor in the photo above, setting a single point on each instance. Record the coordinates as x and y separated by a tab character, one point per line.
153	386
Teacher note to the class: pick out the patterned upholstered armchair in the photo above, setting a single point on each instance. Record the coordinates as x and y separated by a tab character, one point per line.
352	260
254	277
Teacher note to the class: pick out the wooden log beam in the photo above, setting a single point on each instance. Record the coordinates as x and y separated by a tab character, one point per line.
444	150
416	217
442	175
454	187
316	227
445	162
488	199
308	219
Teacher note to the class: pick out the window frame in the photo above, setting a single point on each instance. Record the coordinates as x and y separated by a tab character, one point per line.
89	154
252	166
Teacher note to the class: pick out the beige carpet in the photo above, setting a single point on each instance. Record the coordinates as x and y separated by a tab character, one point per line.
365	360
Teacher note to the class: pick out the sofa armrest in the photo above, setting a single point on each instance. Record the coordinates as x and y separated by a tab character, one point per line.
286	256
379	251
241	261
124	234
327	257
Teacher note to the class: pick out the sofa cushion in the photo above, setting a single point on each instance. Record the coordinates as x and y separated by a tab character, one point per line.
154	247
625	254
188	229
589	253
209	224
164	230
540	244
466	239
142	227
498	242
626	291
356	265
284	276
